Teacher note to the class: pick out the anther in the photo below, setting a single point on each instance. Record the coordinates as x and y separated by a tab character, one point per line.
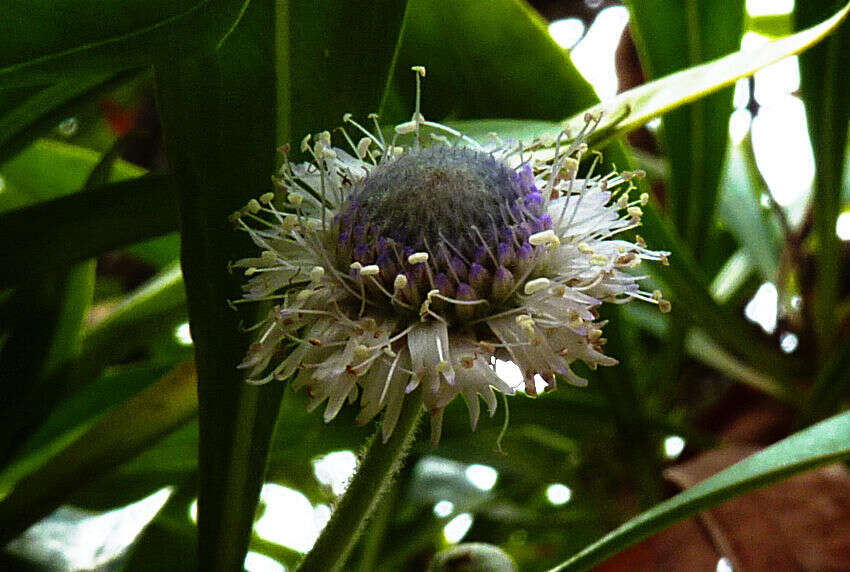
304	295
546	237
417	258
362	352
370	270
400	282
536	285
363	147
267	198
317	273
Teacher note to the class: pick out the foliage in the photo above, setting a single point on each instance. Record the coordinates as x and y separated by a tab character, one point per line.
98	396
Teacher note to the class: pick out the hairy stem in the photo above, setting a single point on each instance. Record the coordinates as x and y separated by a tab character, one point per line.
373	478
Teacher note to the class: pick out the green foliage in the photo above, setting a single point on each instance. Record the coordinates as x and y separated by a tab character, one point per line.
101	404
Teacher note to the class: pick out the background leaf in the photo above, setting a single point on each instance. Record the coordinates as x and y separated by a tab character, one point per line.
818	445
51	41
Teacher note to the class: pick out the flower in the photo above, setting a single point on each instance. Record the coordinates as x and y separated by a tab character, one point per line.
397	266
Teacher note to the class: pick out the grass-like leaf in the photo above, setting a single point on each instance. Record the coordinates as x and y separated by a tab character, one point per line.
824	443
60	232
672	36
633	108
154	412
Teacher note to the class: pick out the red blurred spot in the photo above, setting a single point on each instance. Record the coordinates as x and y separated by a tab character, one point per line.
121	119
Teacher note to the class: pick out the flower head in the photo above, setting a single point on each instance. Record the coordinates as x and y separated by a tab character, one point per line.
399	265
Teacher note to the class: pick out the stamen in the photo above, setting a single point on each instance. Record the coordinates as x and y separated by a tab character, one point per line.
536	285
417	258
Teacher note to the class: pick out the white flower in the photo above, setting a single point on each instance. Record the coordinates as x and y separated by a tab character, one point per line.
404	265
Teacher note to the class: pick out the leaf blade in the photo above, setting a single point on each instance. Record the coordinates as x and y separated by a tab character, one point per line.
821	444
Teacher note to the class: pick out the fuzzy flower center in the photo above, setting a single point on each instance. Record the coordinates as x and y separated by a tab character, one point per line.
443	219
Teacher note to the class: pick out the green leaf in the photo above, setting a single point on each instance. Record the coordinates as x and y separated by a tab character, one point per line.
218	113
821	444
824	87
43	110
220	126
51	169
111	441
338	57
672	36
831	385
75	415
689	288
156	305
42	321
495	62
52	40
48	372
633	108
740	210
83	225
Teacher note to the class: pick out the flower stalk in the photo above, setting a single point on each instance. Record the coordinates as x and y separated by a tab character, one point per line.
373	478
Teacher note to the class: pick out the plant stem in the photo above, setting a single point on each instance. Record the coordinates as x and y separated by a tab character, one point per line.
373	478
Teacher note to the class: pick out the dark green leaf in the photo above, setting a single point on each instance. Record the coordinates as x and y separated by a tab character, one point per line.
79	226
48	107
219	116
493	62
108	443
52	40
824	86
741	211
51	169
218	112
631	109
672	36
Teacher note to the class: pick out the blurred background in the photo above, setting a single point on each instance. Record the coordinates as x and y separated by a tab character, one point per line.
574	463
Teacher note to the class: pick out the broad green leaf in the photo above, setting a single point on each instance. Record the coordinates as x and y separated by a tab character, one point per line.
338	57
633	108
218	112
111	441
670	37
824	86
52	40
819	445
231	95
84	224
498	61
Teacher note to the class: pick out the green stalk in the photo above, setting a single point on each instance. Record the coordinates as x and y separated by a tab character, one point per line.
373	479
